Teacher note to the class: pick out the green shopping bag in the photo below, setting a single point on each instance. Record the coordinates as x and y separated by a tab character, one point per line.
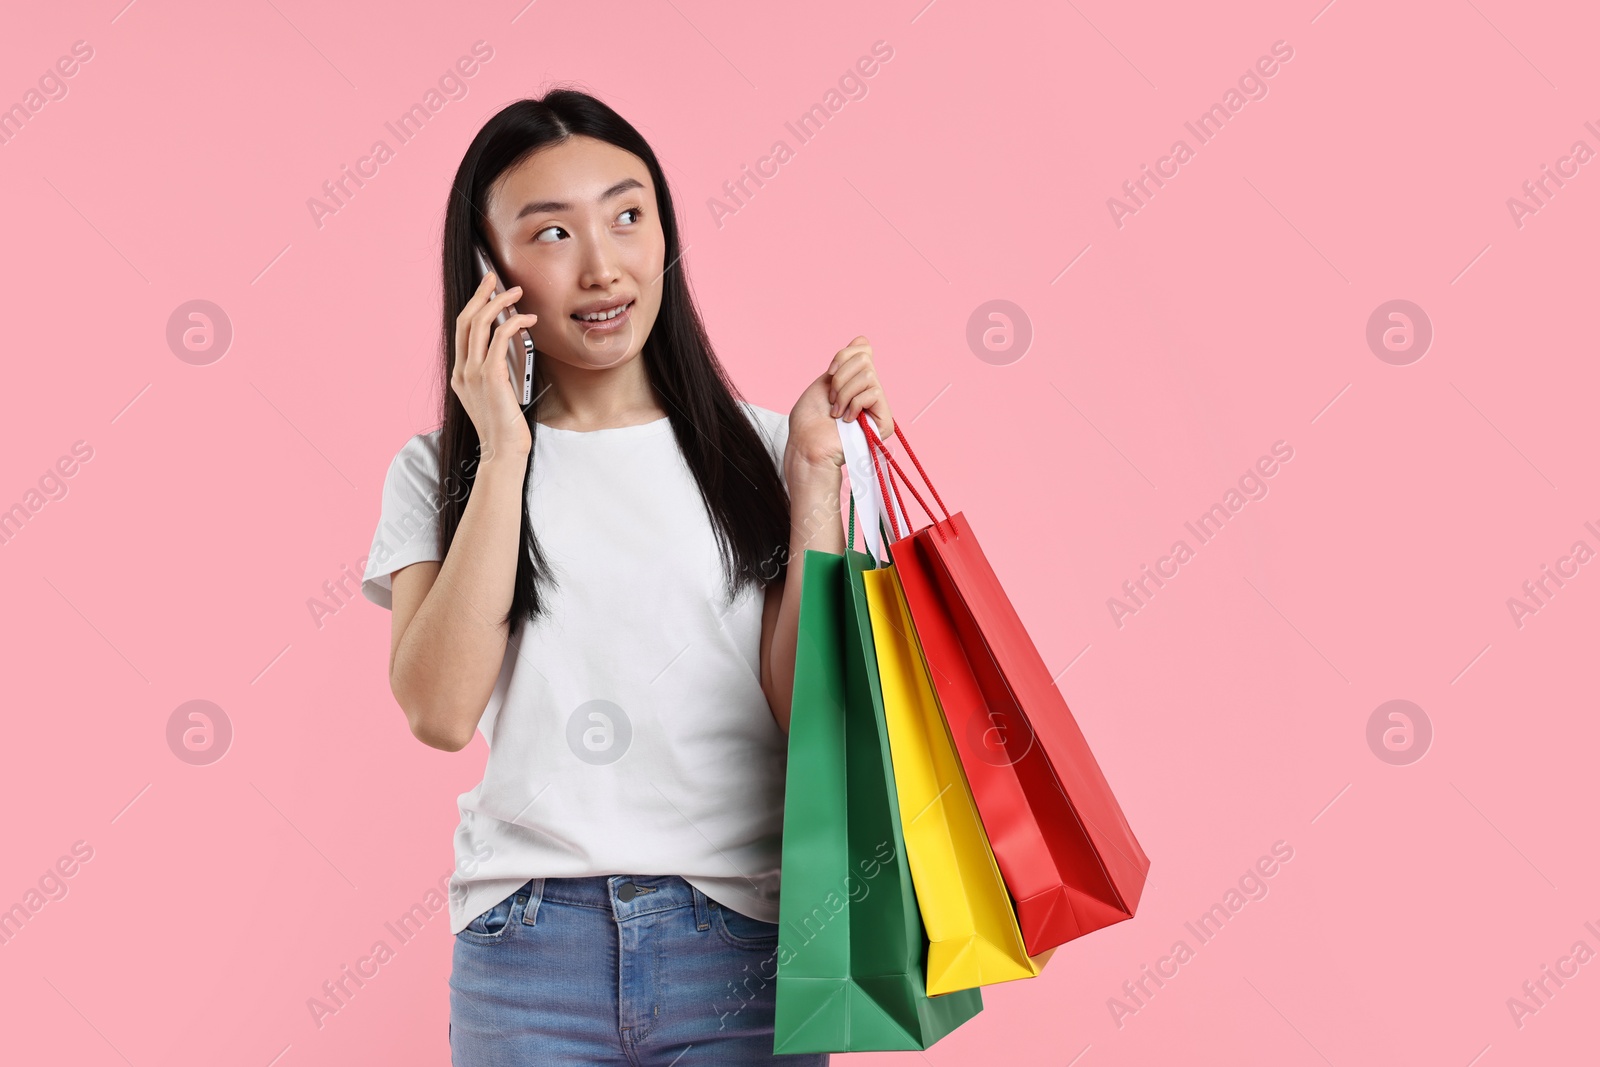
852	952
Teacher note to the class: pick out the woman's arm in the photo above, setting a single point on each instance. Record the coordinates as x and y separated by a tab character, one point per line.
813	523
813	466
448	642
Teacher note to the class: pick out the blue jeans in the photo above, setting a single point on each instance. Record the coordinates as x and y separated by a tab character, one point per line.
643	970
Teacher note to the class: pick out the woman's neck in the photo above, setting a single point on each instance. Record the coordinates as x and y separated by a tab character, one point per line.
574	398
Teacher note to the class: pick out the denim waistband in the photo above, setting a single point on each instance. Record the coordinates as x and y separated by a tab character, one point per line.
623	896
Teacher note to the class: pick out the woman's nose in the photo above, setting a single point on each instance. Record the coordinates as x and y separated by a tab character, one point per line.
600	264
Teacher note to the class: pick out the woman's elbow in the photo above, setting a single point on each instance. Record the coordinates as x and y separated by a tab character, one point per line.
445	741
433	727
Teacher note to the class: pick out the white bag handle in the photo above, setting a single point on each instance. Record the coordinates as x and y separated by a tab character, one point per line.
864	486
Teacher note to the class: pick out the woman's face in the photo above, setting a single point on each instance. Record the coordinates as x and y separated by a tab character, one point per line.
575	224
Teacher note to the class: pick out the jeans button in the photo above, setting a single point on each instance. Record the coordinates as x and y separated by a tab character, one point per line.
627	891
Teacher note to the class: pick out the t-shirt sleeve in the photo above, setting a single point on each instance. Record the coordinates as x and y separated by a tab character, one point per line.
408	523
773	426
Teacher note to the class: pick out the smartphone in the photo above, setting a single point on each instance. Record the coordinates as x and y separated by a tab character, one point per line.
519	350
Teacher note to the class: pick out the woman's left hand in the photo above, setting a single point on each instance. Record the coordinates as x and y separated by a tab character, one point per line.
848	387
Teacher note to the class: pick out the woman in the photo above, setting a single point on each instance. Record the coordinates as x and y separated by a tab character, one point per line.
606	584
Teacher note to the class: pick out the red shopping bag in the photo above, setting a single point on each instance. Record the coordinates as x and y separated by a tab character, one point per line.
1065	849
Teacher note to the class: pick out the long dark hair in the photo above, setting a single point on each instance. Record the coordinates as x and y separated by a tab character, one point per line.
740	485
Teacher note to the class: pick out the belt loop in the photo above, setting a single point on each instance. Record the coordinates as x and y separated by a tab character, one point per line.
702	909
535	891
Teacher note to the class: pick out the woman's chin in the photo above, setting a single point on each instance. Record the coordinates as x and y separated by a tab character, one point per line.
594	358
599	349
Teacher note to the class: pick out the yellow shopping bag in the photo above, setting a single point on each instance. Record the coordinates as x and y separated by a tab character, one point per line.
973	937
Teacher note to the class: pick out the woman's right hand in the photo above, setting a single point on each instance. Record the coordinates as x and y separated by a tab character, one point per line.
481	377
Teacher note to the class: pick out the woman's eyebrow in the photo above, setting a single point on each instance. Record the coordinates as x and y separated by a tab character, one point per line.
561	205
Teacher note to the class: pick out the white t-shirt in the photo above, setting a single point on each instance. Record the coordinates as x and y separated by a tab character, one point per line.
629	733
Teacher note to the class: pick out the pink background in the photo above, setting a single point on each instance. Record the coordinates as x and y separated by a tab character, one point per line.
1229	313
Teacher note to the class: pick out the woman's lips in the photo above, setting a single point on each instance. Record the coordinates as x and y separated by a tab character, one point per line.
616	322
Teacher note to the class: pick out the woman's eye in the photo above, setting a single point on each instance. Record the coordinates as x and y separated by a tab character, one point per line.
635	212
540	236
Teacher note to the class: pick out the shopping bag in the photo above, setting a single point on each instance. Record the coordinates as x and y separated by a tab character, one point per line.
971	924
852	953
1068	856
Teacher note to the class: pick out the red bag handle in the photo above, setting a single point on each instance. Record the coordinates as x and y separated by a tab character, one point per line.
876	446
884	487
